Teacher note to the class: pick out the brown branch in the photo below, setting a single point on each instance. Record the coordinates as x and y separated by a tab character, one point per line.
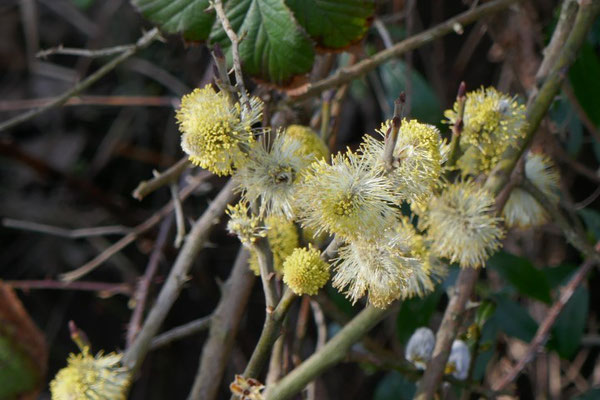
194	242
100	287
70	51
63	232
361	68
446	333
235	53
144	188
143	42
223	329
141	293
180	332
542	334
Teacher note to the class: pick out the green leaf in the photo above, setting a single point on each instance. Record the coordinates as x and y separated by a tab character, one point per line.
415	313
592	394
333	24
570	324
17	374
188	17
584	75
591	218
272	46
425	105
522	275
513	319
83	4
394	386
557	275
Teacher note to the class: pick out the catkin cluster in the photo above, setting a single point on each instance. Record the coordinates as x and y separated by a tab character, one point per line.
290	187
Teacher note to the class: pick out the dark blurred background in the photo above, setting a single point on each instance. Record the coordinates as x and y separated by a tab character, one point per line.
76	166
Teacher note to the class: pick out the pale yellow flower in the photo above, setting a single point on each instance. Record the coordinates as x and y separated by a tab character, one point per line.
345	198
305	272
492	122
91	378
416	159
461	224
270	177
215	132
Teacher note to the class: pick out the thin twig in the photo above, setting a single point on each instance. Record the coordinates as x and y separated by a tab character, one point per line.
361	68
110	101
100	287
143	42
141	293
144	188
457	128
180	332
130	237
541	336
179	218
194	242
223	328
63	232
70	51
235	53
333	352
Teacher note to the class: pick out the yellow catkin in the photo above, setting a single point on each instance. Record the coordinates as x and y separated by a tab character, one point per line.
215	132
91	378
304	271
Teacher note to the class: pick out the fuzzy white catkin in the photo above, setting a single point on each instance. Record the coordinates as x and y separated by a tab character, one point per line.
420	347
460	359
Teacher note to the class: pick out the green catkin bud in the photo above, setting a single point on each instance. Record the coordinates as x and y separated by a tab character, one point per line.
214	131
305	272
86	377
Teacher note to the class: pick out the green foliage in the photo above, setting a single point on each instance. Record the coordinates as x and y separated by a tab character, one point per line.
273	46
569	327
513	319
17	373
394	386
425	105
416	312
591	218
520	273
583	76
188	17
333	24
591	394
